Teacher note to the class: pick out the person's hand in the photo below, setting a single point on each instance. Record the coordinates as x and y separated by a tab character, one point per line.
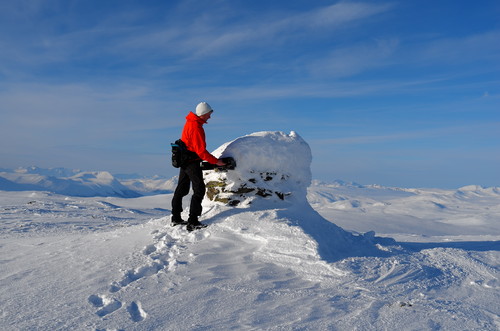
220	163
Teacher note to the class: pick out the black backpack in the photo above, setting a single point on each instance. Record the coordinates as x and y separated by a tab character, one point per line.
181	156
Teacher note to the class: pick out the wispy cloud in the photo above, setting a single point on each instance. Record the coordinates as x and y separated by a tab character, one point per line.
129	41
470	48
77	110
340	13
277	29
354	59
198	36
483	129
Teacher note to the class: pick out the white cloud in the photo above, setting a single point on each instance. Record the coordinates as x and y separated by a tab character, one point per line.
430	133
128	38
342	13
200	37
257	32
460	50
354	59
56	113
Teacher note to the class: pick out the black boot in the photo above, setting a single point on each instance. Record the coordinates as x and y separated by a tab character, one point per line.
177	220
194	224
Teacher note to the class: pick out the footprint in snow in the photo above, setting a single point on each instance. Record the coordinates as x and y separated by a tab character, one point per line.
163	254
149	249
106	305
96	300
137	314
136	274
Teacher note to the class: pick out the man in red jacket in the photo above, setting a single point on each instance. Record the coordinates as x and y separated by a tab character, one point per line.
193	136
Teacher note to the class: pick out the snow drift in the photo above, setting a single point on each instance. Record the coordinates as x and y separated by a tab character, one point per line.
272	175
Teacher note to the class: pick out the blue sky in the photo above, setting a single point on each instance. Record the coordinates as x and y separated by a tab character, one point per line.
398	93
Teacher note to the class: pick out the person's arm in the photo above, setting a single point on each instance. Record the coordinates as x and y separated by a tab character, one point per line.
200	148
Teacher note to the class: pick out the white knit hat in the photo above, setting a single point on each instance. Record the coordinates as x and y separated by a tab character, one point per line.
203	108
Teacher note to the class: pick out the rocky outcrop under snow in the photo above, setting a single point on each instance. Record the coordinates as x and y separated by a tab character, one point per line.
271	165
272	175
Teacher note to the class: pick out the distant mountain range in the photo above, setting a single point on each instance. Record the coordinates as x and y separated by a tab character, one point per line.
82	183
73	182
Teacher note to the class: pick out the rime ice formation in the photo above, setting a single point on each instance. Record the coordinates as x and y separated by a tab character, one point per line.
272	165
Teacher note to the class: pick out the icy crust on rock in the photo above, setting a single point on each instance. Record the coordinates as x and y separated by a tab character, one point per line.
270	164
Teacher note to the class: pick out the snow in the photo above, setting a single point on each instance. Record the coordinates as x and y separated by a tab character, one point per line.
270	154
344	257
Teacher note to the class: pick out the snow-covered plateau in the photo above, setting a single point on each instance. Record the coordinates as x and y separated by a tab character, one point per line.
281	252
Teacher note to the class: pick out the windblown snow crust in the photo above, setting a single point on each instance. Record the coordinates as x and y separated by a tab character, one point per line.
111	263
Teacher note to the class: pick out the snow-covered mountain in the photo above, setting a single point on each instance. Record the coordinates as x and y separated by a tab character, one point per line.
149	185
51	172
82	183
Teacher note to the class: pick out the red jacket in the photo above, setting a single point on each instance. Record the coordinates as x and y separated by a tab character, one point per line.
193	136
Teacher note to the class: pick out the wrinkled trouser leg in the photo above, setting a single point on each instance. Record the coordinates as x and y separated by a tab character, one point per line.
180	192
196	175
190	174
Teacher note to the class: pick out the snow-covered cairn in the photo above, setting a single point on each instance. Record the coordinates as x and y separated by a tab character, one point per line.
271	165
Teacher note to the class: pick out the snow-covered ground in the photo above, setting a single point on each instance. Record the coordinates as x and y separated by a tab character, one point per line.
112	263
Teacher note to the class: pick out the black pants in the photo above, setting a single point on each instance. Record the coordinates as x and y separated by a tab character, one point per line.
190	174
